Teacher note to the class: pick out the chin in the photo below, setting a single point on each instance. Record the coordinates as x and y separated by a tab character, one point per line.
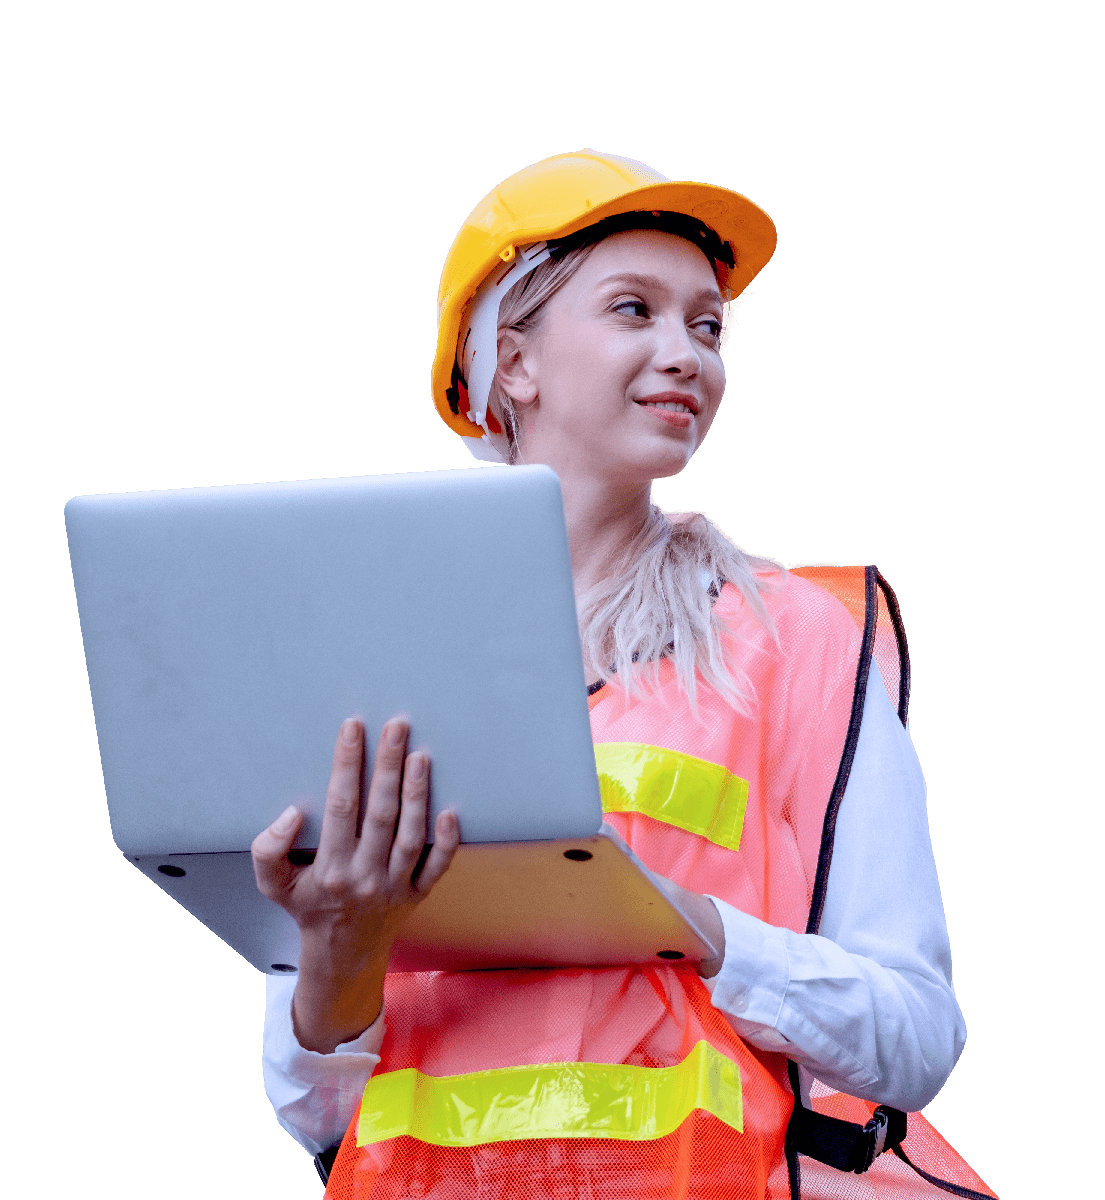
664	466
642	464
668	472
658	467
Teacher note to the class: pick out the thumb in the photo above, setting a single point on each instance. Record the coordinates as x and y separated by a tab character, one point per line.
275	874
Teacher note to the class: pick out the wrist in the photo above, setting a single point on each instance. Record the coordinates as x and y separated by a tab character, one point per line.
329	1009
709	967
712	926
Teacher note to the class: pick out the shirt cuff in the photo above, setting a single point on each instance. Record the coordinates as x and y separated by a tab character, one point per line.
755	973
283	1050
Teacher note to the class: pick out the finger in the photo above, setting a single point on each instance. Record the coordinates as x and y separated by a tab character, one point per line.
382	807
410	834
338	838
274	873
446	841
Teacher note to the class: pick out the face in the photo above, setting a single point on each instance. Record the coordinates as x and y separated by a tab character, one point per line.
622	377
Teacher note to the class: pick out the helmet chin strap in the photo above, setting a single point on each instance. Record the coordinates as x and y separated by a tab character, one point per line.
481	340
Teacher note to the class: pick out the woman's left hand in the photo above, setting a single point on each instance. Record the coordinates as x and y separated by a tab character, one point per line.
703	912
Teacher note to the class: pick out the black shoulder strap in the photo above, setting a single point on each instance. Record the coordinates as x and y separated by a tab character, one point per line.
956	1189
324	1162
851	740
903	647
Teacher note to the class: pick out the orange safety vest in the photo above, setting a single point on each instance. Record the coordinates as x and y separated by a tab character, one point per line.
625	1082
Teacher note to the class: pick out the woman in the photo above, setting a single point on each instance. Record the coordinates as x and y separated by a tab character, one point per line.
580	318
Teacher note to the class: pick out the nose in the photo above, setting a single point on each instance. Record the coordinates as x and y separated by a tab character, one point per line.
676	352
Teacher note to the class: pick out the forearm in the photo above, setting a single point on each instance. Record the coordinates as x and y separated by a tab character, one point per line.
329	1009
882	1033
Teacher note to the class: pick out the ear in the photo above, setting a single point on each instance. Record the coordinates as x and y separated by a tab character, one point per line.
516	370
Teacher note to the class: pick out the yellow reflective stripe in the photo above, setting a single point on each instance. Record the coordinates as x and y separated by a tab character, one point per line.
558	1100
679	789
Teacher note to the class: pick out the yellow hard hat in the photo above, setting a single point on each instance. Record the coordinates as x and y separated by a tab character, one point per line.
560	196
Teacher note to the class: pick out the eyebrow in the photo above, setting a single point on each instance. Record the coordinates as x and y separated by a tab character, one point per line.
706	295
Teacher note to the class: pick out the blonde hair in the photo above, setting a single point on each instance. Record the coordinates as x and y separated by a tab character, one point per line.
658	601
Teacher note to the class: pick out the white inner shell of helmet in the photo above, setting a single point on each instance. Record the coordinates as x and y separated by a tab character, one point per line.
480	344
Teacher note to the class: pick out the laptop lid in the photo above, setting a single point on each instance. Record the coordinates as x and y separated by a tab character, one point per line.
228	631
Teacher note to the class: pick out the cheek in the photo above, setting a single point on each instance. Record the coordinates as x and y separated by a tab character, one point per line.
715	389
589	366
715	380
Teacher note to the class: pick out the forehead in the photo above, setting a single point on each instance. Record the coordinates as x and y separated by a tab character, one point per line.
668	258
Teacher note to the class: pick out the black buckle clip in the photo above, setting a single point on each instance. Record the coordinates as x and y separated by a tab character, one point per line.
844	1144
885	1130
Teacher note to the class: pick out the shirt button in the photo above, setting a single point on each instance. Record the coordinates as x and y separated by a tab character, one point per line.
740	1004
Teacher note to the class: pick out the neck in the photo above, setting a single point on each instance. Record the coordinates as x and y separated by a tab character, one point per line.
602	520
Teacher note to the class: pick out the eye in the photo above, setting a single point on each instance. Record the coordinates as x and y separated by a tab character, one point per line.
633	308
708	328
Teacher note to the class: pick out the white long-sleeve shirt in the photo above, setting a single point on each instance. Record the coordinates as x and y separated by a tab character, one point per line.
866	1006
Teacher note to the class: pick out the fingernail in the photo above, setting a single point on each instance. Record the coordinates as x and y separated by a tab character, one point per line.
416	767
284	822
349	731
397	735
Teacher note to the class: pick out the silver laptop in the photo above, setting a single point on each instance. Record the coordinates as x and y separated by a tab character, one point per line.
228	632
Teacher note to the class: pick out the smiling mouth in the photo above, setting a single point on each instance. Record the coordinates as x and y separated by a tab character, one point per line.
677	406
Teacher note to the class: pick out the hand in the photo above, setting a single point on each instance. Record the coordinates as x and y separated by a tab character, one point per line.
704	913
352	900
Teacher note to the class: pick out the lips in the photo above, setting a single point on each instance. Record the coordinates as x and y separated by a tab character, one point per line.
678	402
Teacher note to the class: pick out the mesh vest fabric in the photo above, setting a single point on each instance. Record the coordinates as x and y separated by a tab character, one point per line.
511	1043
